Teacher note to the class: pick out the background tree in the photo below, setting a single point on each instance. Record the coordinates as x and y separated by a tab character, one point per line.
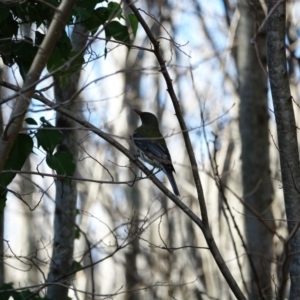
254	120
118	230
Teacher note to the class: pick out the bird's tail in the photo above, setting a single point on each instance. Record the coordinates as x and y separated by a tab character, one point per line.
168	170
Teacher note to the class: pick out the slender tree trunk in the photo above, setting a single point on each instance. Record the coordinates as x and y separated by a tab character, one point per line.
66	193
2	274
133	80
30	236
287	143
254	118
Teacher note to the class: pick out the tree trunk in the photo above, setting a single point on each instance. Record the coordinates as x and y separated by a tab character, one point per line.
132	81
254	130
2	275
66	193
287	143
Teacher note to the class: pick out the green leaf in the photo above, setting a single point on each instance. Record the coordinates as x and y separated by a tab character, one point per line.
20	52
77	234
22	295
76	65
3	194
64	45
30	121
82	13
36	12
98	18
39	38
114	10
89	5
62	162
8	25
118	31
54	164
55	61
84	10
21	149
134	23
5	294
60	54
48	137
4	14
24	52
77	265
6	52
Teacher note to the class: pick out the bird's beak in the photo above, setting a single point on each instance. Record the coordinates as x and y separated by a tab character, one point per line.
138	111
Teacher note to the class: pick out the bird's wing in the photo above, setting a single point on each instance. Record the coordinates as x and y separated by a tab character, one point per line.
158	150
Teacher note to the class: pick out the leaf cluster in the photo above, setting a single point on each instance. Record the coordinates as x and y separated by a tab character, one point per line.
6	291
21	50
21	149
48	137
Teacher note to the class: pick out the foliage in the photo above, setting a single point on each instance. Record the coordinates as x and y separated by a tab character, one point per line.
6	291
21	50
20	151
48	138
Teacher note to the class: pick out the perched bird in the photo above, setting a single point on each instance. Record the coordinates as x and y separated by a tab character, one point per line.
152	148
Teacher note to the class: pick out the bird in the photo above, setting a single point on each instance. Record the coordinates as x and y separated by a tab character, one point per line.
152	147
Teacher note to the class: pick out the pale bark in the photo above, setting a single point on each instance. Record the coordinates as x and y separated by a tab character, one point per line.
254	118
132	84
28	189
66	192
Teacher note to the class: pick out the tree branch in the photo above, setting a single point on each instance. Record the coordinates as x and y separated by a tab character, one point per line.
287	138
205	224
23	100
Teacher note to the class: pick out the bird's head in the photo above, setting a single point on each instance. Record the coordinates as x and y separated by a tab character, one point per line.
147	118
